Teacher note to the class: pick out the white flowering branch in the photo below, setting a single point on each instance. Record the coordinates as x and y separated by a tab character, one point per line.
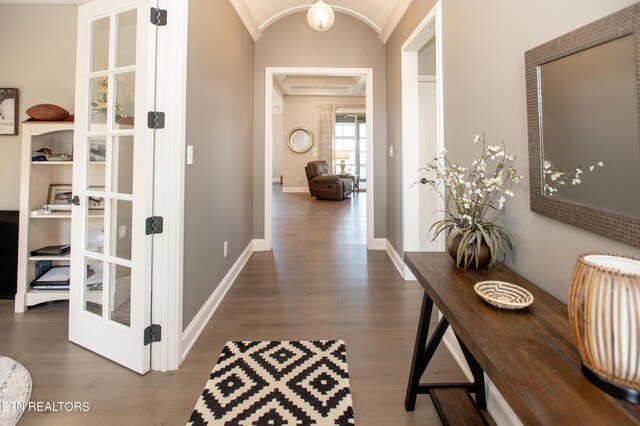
470	194
556	177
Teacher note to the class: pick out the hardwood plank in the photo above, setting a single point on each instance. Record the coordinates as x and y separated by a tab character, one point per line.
319	282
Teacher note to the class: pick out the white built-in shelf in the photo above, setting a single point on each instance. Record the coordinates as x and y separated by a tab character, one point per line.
37	214
64	163
52	163
36	258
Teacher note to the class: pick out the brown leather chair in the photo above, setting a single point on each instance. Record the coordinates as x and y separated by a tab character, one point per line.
324	185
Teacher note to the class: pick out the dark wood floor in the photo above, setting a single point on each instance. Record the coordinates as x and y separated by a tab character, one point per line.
319	282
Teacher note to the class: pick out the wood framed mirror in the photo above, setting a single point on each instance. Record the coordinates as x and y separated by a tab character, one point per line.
300	140
583	99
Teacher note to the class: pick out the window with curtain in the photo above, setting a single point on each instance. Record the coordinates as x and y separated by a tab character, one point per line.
351	137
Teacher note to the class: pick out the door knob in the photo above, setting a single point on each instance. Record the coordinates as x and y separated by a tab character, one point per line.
75	200
424	181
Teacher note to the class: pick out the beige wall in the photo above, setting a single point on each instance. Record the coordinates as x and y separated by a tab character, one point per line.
220	127
484	45
302	111
39	56
350	44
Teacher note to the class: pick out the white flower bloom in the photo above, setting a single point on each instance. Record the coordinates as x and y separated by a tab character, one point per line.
600	163
591	168
467	206
501	203
476	139
509	192
547	164
576	181
578	171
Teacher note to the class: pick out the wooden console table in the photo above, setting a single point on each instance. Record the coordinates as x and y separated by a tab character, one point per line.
529	355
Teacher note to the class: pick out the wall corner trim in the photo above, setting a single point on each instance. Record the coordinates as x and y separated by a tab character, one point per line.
259	245
499	409
295	189
395	258
247	19
197	325
396	16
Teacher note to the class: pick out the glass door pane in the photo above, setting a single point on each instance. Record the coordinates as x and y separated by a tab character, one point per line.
109	167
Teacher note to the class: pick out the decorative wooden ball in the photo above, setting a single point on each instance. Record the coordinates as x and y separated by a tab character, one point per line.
47	112
604	315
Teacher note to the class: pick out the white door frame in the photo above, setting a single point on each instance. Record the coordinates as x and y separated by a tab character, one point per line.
171	97
431	26
268	141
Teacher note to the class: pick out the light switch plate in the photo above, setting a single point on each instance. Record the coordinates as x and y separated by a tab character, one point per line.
391	151
189	155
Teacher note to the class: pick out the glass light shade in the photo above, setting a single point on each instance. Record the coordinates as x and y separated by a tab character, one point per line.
320	16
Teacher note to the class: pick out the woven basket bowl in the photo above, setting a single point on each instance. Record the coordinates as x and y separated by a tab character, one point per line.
504	295
604	315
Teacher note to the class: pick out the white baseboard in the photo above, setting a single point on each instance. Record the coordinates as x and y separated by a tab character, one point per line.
379	244
259	245
193	331
395	258
293	189
499	409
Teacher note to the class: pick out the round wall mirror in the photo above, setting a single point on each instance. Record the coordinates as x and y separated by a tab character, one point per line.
300	140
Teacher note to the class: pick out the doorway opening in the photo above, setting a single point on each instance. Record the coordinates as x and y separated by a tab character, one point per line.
275	80
422	131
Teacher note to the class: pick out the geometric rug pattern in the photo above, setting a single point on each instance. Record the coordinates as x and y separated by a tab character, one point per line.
274	383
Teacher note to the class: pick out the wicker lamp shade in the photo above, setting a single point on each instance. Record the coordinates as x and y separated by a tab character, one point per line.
604	315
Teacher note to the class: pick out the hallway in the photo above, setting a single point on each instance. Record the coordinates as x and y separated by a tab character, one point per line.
319	282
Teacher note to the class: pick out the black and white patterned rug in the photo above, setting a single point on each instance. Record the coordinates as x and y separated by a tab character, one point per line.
276	383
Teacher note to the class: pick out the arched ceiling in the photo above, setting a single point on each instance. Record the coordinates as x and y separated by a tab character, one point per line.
381	15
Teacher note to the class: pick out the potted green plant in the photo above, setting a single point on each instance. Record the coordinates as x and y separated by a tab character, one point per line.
474	198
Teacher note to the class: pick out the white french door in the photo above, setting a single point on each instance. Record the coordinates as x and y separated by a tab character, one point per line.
110	297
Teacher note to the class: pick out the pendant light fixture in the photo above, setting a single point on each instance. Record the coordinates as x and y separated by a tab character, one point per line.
320	16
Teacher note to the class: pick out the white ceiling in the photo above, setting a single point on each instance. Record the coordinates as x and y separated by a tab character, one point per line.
381	15
320	85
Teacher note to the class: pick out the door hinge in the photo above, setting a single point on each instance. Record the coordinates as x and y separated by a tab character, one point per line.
158	17
152	334
154	225
155	120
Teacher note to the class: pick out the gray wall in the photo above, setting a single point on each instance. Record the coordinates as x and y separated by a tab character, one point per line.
220	127
350	43
414	15
302	111
39	56
484	45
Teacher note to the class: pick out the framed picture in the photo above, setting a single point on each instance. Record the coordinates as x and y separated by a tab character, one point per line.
8	111
96	203
62	194
59	194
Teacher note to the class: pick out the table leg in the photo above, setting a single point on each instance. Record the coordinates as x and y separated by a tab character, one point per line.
417	365
478	376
